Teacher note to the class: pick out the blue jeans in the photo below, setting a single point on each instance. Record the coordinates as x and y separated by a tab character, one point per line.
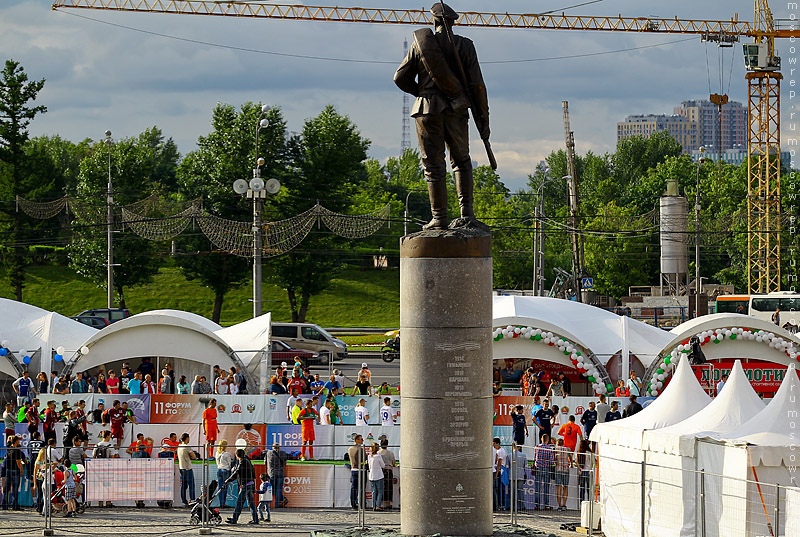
277	488
187	482
261	507
11	492
377	493
222	475
354	489
542	487
584	482
499	492
246	493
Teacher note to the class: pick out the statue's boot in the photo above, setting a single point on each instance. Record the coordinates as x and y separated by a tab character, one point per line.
437	191
465	189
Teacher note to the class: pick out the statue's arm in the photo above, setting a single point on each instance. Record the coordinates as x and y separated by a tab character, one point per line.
406	75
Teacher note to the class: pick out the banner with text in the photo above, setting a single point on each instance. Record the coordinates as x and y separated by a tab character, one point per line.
290	439
566	406
177	408
765	377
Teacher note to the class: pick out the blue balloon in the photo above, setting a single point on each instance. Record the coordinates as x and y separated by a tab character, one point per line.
3	351
58	357
26	359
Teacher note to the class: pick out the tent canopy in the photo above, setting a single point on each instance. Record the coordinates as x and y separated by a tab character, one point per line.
595	329
29	328
736	403
682	398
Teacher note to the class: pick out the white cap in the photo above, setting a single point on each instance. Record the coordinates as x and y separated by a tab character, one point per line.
364	364
283	364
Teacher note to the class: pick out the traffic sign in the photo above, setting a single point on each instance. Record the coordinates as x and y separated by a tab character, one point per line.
587	283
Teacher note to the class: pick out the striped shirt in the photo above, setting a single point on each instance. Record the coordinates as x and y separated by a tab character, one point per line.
544	456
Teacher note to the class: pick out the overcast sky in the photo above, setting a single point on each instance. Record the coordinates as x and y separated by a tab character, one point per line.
129	71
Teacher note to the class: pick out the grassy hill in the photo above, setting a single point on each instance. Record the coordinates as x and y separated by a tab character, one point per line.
356	298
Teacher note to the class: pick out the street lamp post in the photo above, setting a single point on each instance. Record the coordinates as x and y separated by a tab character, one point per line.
538	249
110	225
257	190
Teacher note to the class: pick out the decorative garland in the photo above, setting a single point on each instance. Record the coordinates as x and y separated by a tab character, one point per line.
667	365
585	366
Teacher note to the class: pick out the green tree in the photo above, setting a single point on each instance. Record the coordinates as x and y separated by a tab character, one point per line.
327	165
226	154
16	179
139	166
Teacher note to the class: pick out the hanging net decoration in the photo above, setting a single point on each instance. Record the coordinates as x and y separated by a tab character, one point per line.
284	235
354	226
42	210
229	235
160	229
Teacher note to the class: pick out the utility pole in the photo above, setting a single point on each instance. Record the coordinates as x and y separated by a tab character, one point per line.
574	206
110	226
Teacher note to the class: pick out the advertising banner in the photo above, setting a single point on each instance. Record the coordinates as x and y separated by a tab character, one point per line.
290	438
129	479
160	432
566	406
177	408
240	409
275	409
765	377
139	404
309	485
349	402
254	435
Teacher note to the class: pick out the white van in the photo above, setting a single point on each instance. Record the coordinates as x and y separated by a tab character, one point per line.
310	337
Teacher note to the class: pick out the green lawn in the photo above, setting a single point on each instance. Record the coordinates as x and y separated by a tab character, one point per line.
356	298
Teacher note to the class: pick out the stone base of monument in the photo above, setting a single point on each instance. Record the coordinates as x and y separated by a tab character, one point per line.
499	531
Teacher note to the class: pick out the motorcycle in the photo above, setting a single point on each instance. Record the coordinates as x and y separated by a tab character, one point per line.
390	349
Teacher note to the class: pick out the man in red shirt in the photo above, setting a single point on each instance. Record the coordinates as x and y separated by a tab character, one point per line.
50	419
116	417
79	413
210	427
570	431
32	415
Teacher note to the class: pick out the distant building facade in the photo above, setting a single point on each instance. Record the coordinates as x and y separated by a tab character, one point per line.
694	123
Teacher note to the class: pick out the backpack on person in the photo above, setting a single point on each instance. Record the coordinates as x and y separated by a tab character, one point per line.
100	452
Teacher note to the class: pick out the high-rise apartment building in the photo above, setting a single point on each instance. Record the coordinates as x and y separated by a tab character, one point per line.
694	123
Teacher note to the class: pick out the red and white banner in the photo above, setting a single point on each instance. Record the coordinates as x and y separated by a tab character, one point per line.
765	377
177	408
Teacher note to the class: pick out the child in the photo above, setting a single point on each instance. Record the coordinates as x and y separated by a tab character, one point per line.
69	492
264	497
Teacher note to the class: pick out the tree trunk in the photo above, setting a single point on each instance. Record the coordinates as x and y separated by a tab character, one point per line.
304	299
293	304
121	299
218	298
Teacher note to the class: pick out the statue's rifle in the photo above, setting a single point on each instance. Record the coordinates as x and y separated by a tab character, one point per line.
467	93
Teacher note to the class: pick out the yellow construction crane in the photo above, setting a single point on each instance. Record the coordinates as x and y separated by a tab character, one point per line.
763	79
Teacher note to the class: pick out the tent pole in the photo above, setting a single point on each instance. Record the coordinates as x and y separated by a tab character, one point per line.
644	495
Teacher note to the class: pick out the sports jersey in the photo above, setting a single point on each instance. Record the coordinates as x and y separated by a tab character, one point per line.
112	384
50	419
24	386
210	419
570	432
295	413
361	415
387	416
307	417
116	416
324	413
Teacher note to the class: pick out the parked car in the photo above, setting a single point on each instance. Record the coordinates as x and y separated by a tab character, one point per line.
310	337
94	322
109	314
281	352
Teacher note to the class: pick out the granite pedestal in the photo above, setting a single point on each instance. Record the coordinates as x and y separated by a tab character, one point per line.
445	377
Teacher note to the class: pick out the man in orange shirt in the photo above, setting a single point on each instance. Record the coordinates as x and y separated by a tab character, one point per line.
210	427
307	417
570	431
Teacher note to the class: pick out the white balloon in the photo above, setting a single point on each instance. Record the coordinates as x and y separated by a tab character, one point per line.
661	376
654	392
759	339
517	330
728	333
85	350
60	350
505	333
573	356
4	343
537	332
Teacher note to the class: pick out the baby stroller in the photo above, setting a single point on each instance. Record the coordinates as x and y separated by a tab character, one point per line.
58	502
201	505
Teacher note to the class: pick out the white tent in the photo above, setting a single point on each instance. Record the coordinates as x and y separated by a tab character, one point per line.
39	332
250	341
597	330
672	481
626	480
190	342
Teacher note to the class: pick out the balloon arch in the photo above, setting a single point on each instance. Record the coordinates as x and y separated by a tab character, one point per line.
663	367
583	359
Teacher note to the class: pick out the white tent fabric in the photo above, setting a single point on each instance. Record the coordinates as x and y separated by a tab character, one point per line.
595	329
771	435
27	327
736	403
249	339
682	398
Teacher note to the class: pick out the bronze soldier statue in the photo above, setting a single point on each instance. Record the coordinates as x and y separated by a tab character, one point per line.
441	70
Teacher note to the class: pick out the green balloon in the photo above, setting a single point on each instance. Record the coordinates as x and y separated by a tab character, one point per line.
537	337
578	353
591	379
610	386
566	352
733	336
716	341
667	360
659	370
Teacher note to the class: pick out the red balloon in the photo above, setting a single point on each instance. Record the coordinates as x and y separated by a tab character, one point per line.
551	343
516	335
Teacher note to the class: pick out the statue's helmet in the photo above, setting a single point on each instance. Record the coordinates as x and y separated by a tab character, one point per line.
440	10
